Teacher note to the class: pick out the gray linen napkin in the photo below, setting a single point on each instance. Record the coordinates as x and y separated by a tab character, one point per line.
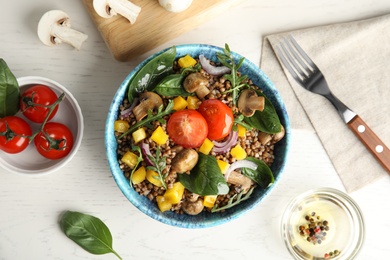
355	59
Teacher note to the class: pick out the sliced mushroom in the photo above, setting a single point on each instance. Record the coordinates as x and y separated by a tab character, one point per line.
184	161
195	82
278	136
54	28
148	101
249	102
240	180
191	197
110	8
193	208
264	138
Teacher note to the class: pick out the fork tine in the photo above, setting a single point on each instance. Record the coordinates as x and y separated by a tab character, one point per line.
302	53
283	58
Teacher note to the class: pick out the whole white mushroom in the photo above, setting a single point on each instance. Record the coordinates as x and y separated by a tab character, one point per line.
175	6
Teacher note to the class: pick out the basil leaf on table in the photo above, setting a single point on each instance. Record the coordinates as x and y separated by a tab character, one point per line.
205	178
266	121
171	86
88	232
9	91
262	175
152	73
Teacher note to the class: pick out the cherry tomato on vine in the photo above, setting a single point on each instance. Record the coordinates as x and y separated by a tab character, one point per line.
14	134
35	102
55	141
219	118
187	128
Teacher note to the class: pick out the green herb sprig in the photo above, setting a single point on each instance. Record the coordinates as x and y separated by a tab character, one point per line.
227	59
159	165
233	201
151	118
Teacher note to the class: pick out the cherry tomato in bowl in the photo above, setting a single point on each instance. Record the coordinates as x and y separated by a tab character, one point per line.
35	102
219	118
55	141
14	134
187	128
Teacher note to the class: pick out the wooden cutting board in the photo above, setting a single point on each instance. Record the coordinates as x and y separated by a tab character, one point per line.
154	25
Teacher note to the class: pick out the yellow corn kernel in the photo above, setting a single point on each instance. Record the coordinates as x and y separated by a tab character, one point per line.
121	126
179	103
238	152
159	136
209	200
186	61
150	176
206	146
139	175
163	204
193	102
130	159
224	166
139	135
241	130
175	194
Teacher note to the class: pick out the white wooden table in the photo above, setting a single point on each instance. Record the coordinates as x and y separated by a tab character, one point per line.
29	207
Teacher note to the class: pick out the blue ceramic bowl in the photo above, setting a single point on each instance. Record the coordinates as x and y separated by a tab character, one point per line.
204	219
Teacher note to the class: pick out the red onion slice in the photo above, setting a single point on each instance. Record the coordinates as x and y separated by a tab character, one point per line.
213	70
223	147
145	149
240	164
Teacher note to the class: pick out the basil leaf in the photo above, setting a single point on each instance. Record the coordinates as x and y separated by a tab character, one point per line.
267	120
171	86
9	91
262	175
152	73
205	178
88	232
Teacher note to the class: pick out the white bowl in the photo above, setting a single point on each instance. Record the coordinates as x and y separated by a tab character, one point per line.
29	161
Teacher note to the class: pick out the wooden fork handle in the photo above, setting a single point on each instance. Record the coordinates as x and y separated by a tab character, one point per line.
371	141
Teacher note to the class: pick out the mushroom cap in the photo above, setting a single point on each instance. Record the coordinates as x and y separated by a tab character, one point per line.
184	161
175	6
46	23
102	8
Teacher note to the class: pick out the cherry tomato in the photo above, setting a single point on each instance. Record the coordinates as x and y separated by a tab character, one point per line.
219	118
187	128
35	102
55	141
14	134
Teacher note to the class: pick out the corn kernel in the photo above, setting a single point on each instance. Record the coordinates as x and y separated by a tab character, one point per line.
224	166
186	61
121	126
139	135
209	200
241	130
179	103
139	175
151	177
130	159
175	194
193	102
206	146
238	152
159	136
163	204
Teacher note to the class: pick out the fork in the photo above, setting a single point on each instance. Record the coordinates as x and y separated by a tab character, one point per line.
308	75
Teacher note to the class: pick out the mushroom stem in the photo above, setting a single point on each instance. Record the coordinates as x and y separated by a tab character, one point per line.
68	35
109	8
